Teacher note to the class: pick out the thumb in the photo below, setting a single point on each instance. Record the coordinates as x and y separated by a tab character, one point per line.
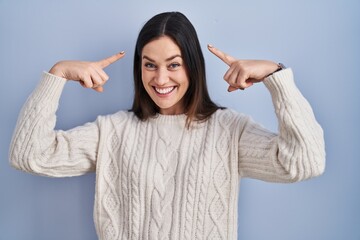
99	89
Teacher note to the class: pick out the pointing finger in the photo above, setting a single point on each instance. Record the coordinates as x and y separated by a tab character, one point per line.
110	60
223	56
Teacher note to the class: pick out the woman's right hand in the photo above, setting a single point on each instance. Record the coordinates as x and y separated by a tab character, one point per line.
89	74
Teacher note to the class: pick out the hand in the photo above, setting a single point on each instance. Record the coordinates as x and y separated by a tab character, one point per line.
89	74
244	73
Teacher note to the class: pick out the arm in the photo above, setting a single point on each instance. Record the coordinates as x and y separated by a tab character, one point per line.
36	147
297	152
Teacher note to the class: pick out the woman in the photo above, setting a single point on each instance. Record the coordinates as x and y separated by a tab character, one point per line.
170	167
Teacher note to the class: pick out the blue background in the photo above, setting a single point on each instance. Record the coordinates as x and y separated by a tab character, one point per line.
319	39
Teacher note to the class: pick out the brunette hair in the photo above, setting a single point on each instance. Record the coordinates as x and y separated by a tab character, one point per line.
197	103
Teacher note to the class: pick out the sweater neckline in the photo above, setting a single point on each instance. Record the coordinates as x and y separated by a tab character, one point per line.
177	119
162	118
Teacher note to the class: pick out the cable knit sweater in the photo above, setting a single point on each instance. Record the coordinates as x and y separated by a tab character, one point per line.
156	179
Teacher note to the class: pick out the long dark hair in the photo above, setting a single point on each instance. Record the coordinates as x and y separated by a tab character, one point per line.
197	103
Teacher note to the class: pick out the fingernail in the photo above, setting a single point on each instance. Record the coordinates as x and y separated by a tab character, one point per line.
210	46
122	52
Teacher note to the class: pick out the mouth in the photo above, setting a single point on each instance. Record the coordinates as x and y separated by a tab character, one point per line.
164	91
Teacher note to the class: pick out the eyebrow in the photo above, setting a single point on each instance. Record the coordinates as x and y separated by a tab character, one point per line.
168	59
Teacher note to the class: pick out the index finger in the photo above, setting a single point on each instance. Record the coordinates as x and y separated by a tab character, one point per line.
110	60
223	56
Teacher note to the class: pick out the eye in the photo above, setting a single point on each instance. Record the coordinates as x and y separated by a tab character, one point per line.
150	66
173	66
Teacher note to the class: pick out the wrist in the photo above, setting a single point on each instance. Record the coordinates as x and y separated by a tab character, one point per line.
55	70
279	67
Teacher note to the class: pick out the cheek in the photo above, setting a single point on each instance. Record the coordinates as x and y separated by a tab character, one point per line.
183	78
145	76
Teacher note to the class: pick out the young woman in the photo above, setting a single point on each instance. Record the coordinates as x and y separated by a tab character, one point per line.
170	167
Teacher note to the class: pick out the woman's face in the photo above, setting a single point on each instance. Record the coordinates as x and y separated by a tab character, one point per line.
164	75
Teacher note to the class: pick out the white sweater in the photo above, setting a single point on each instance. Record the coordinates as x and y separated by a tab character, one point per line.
156	179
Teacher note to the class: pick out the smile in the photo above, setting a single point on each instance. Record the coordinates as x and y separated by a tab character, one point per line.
164	91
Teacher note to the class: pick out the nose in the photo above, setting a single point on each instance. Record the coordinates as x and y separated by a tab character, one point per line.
161	76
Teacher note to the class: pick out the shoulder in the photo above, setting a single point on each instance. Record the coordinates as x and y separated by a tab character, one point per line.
119	118
229	117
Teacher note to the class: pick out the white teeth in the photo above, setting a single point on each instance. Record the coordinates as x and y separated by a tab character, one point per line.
164	90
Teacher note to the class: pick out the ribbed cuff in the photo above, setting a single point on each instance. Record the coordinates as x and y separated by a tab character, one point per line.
49	88
281	84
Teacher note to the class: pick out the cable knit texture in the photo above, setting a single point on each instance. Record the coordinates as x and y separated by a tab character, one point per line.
156	179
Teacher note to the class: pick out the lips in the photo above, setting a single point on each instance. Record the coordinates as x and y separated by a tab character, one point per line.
164	91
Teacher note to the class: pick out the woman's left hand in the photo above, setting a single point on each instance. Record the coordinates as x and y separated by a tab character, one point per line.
244	73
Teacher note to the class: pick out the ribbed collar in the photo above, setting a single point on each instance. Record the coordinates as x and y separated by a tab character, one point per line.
179	120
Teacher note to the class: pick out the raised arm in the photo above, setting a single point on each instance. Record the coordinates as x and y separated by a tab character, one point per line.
297	152
39	149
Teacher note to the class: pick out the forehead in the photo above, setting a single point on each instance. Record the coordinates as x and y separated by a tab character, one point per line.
161	48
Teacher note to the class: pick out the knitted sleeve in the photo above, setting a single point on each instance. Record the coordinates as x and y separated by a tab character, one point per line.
39	149
297	152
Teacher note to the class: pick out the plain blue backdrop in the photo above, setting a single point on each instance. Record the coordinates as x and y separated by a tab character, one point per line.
320	40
